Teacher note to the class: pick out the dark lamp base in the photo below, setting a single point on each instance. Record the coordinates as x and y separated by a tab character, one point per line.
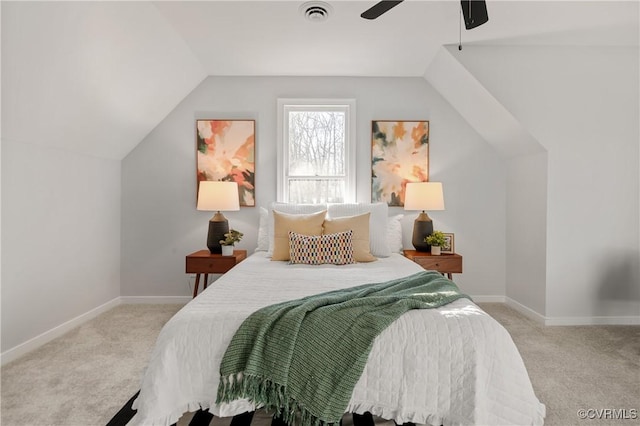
421	229
216	233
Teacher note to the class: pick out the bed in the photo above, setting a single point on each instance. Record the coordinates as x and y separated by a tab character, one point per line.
454	365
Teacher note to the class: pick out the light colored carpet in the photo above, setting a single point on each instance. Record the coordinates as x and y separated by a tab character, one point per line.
577	368
85	376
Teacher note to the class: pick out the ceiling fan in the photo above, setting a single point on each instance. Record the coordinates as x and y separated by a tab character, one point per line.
474	11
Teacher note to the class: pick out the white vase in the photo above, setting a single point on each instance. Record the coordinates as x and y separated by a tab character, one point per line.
435	250
227	250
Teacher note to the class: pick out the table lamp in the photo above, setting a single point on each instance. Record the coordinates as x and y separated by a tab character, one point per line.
423	196
217	196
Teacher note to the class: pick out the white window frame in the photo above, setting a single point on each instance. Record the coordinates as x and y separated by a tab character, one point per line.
299	104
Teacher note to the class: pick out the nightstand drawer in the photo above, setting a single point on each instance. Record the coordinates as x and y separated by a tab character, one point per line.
209	266
442	263
445	263
202	262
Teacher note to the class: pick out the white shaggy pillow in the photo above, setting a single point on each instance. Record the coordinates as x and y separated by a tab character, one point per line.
394	233
263	230
377	222
289	209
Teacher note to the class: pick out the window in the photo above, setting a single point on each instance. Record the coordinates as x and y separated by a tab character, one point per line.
316	150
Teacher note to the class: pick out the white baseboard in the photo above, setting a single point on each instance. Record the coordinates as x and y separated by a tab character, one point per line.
34	343
525	310
156	300
488	299
567	321
620	320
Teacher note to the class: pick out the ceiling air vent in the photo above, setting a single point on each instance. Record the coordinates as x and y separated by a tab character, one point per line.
316	11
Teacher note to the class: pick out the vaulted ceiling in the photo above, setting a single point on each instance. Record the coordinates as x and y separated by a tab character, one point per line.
96	77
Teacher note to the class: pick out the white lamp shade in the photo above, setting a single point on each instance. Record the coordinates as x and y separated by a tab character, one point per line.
218	196
423	196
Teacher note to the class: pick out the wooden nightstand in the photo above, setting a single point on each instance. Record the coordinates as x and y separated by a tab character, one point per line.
203	262
445	263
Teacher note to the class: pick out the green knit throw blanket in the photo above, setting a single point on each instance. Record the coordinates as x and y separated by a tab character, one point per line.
302	358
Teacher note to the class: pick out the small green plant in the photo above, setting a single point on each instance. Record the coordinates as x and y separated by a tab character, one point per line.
436	239
231	237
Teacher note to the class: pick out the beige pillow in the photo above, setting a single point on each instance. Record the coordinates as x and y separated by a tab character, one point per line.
360	226
305	224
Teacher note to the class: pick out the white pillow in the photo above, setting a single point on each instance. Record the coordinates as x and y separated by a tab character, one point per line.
377	223
289	209
394	233
263	230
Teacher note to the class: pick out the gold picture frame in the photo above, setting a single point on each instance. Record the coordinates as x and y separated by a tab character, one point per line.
449	245
225	151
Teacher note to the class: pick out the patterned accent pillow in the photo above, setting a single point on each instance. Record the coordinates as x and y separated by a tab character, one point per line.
336	249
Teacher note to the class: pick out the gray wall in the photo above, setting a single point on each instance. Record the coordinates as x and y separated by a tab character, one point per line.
160	224
60	237
527	231
582	104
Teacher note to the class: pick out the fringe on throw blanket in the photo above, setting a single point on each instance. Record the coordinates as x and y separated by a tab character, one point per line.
271	395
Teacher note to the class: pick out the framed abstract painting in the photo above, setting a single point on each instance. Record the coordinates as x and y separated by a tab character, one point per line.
399	154
226	152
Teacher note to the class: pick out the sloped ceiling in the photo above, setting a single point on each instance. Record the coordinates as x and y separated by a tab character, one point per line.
96	77
90	77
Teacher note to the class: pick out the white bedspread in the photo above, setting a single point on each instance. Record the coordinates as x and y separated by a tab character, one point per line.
454	365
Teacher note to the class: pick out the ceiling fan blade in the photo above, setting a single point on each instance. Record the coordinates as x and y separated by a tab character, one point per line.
474	13
379	8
